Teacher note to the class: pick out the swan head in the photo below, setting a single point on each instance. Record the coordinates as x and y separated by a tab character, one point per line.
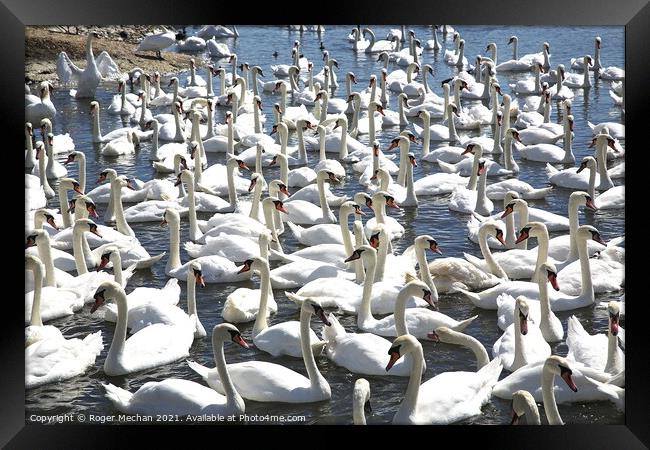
232	162
453	109
474	148
614	311
312	306
276	186
326	175
512	39
82	225
427	242
46	126
583	198
602	138
551	274
341	121
521	314
35	237
376	106
381	173
83	201
108	253
227	332
588	232
383	56
185	176
412	160
532	229
509	197
512	133
108	174
72	156
403	98
558	365
107	290
274	203
361	198
417	288
361	394
522	402
401	346
493	228
256	264
196	272
172	81
350	207
47	217
598	42
255	177
491	46
171	216
151	125
423	114
570	121
365	252
69	183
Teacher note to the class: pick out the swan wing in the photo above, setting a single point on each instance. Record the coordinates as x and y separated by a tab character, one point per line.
66	70
107	67
156	345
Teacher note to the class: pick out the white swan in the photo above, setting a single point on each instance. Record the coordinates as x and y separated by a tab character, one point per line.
578	385
49	357
157	42
268	382
43	108
380	200
540	312
215	269
559	301
61	143
182	397
598	351
152	346
377	46
521	344
446	398
552	153
115	134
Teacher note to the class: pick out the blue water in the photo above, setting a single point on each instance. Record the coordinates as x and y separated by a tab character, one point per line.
256	45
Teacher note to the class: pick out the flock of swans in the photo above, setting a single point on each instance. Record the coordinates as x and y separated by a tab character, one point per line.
340	271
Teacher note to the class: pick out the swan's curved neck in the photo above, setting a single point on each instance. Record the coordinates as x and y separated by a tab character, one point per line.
411	198
118	209
494	266
425	273
515	45
480	195
546	313
195	232
457	96
261	322
270	225
143	108
45	254
506	118
116	259
359	240
232	192
344	218
256	116
409	404
520	351
254	80
574	220
355	115
372	109
613	356
473	178
231	142
178	137
210	133
119	335
284	173
381	257
324	206
482	358
506	149
343	150
255	206
568	144
522	210
315	377
548	395
404	148
82	171
585	270
365	317
233	399
453	135
546	110
63	205
174	260
77	249
35	319
605	179
542	254
400	312
426	133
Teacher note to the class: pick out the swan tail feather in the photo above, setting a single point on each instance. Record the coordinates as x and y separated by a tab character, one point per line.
128	273
464	324
278	256
473	260
295	229
118	396
297	299
198	368
149	262
550	170
446	167
491	371
194	250
618	379
537	194
318	347
408	277
479	217
330	333
591	125
459	287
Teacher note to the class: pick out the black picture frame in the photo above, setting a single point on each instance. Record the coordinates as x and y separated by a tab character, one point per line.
633	14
